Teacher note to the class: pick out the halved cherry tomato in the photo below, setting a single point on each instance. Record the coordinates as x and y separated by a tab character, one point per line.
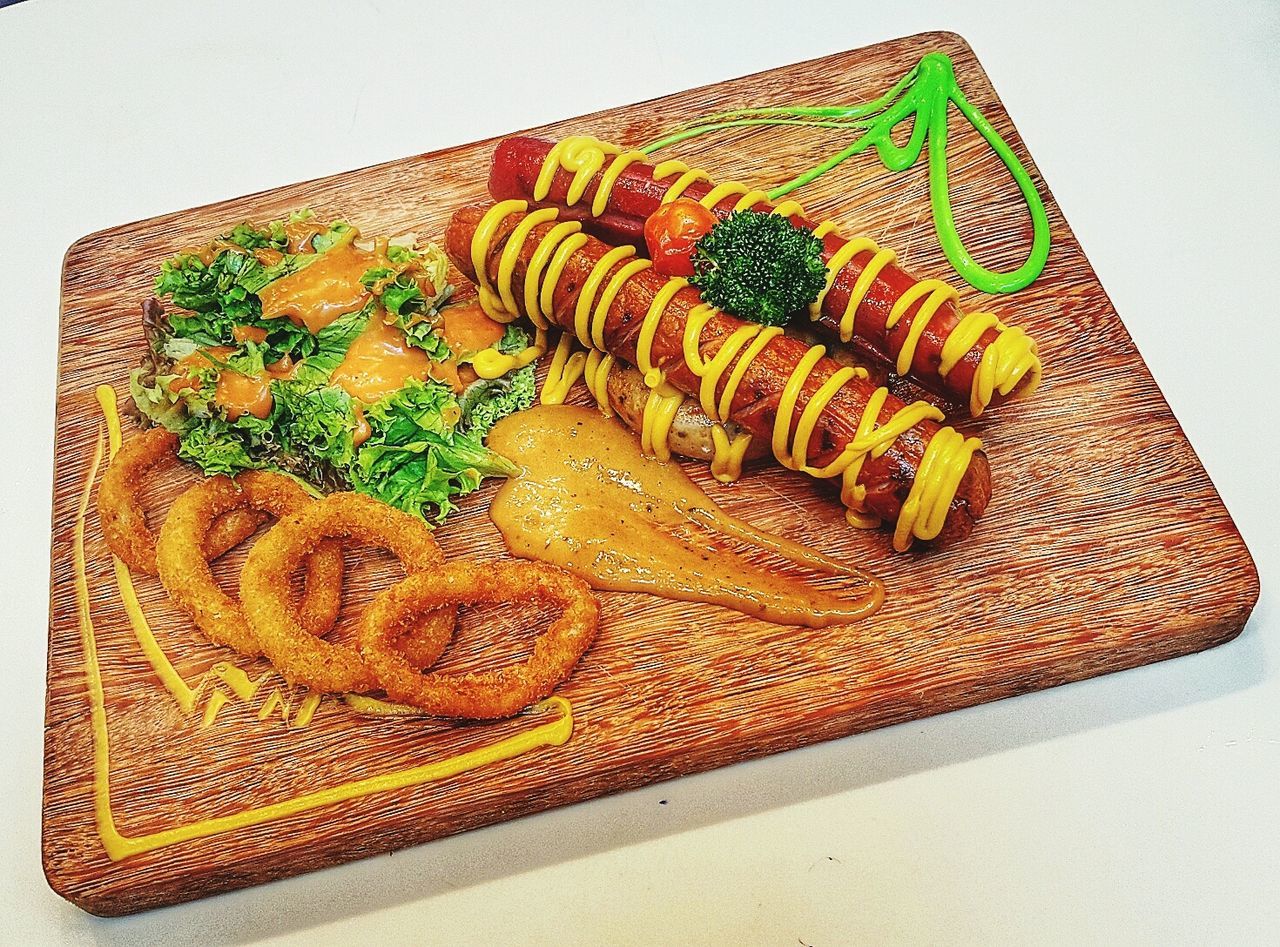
671	232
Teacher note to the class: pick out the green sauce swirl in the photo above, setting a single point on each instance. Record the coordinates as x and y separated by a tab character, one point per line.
924	95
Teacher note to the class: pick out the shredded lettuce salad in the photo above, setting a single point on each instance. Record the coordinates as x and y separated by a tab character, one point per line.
424	443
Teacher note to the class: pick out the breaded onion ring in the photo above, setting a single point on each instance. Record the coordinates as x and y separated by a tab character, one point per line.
479	695
124	523
300	657
184	565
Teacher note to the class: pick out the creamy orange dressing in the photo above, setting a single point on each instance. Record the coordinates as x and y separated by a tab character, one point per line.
243	394
588	500
299	234
296	713
380	361
363	430
212	250
249	334
318	294
268	256
450	373
468	329
234	392
197	360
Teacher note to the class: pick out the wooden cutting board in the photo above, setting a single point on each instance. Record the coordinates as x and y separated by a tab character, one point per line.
1105	547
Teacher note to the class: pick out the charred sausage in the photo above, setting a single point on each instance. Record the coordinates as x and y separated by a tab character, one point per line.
886	477
636	193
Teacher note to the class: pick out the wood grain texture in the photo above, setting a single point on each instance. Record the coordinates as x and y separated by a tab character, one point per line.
1105	545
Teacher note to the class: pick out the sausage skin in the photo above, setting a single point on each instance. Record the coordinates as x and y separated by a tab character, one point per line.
517	163
690	430
887	478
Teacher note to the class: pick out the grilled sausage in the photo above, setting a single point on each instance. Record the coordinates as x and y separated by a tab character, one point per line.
887	477
636	194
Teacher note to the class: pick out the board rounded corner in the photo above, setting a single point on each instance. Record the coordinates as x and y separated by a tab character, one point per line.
65	888
80	245
948	38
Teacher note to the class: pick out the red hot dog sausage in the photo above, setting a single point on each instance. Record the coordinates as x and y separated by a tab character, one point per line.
518	162
887	478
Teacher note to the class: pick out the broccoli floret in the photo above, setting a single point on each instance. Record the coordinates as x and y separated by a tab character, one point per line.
759	266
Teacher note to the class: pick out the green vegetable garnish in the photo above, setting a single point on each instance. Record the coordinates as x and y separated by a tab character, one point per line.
416	459
424	443
759	267
216	297
398	291
488	400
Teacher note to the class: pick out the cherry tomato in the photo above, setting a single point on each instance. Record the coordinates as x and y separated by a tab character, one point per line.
671	232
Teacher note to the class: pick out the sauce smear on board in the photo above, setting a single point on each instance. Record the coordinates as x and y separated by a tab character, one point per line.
588	500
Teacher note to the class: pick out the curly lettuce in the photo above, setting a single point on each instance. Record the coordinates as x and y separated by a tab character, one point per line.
331	344
398	289
416	458
425	443
487	401
214	298
220	446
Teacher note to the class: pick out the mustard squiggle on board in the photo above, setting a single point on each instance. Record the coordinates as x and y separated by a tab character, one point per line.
224	682
1006	363
946	457
118	846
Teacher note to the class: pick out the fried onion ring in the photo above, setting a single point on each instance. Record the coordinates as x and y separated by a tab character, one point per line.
124	523
300	657
479	695
184	564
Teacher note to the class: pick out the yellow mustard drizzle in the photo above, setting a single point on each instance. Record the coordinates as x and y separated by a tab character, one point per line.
221	683
565	369
485	231
726	462
789	209
584	157
1010	358
589	313
490	363
659	414
596	377
653	376
1005	363
537	310
946	457
511	253
581	155
684	177
749	198
118	846
502	305
374	707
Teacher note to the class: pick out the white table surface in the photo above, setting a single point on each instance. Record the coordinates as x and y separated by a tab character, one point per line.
1139	807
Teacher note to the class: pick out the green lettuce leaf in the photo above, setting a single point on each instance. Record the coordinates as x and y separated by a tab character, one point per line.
487	401
219	446
401	295
331	344
247	236
325	241
317	423
157	402
415	459
423	335
212	300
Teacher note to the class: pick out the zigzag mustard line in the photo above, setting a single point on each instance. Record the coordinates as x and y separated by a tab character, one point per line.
120	846
224	682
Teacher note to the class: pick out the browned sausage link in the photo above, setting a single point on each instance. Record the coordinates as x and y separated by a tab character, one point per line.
518	161
690	434
887	478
